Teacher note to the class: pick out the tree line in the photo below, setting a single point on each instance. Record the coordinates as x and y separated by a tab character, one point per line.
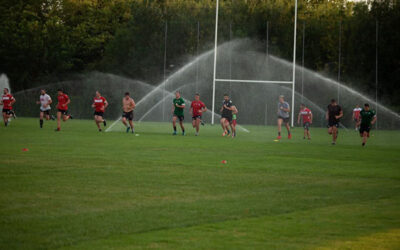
44	41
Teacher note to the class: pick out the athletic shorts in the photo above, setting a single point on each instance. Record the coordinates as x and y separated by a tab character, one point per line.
8	111
180	117
63	112
285	120
364	129
196	116
99	113
46	112
234	122
128	115
229	118
333	124
306	125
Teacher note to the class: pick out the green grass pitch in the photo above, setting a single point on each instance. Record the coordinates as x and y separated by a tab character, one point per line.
81	189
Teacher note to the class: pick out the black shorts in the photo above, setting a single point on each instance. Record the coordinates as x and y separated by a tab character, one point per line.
8	111
229	118
306	125
333	124
285	120
364	128
196	116
46	112
63	112
128	115
99	113
180	117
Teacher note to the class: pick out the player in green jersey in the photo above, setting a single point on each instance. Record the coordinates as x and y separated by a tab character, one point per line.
368	118
177	111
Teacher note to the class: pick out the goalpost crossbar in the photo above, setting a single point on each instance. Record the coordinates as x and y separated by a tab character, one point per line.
293	82
253	81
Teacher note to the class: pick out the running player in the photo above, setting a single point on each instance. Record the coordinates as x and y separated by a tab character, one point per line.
99	104
197	108
283	116
368	118
62	106
307	117
356	116
128	105
44	101
333	115
234	117
7	101
226	115
177	111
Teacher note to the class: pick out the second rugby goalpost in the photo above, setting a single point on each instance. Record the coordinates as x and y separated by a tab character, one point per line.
215	80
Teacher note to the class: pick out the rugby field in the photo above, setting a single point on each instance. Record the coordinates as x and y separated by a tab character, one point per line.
81	189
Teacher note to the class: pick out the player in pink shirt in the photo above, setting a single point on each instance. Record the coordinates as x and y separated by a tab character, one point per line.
306	115
356	116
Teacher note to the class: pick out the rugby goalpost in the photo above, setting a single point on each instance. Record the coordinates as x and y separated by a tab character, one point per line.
215	80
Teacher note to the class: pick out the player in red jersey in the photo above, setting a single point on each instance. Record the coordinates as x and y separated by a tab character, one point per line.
197	108
62	108
306	115
356	116
99	104
7	101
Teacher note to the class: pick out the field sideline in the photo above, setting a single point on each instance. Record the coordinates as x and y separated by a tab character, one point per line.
81	189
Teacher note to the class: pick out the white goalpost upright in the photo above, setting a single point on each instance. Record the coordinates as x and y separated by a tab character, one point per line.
215	80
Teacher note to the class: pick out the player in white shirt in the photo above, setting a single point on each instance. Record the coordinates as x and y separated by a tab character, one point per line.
45	101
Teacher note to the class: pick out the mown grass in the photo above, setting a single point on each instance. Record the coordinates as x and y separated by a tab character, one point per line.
83	189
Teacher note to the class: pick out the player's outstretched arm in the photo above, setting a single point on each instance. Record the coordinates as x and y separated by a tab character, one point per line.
340	115
311	117
133	104
374	120
12	101
105	104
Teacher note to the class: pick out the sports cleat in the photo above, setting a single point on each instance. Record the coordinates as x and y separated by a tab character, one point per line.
202	122
289	136
279	137
57	129
363	144
70	117
196	134
183	133
333	143
224	133
104	122
52	117
127	129
174	133
133	130
99	129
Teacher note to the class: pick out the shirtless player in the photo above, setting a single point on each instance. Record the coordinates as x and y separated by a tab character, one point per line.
128	105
